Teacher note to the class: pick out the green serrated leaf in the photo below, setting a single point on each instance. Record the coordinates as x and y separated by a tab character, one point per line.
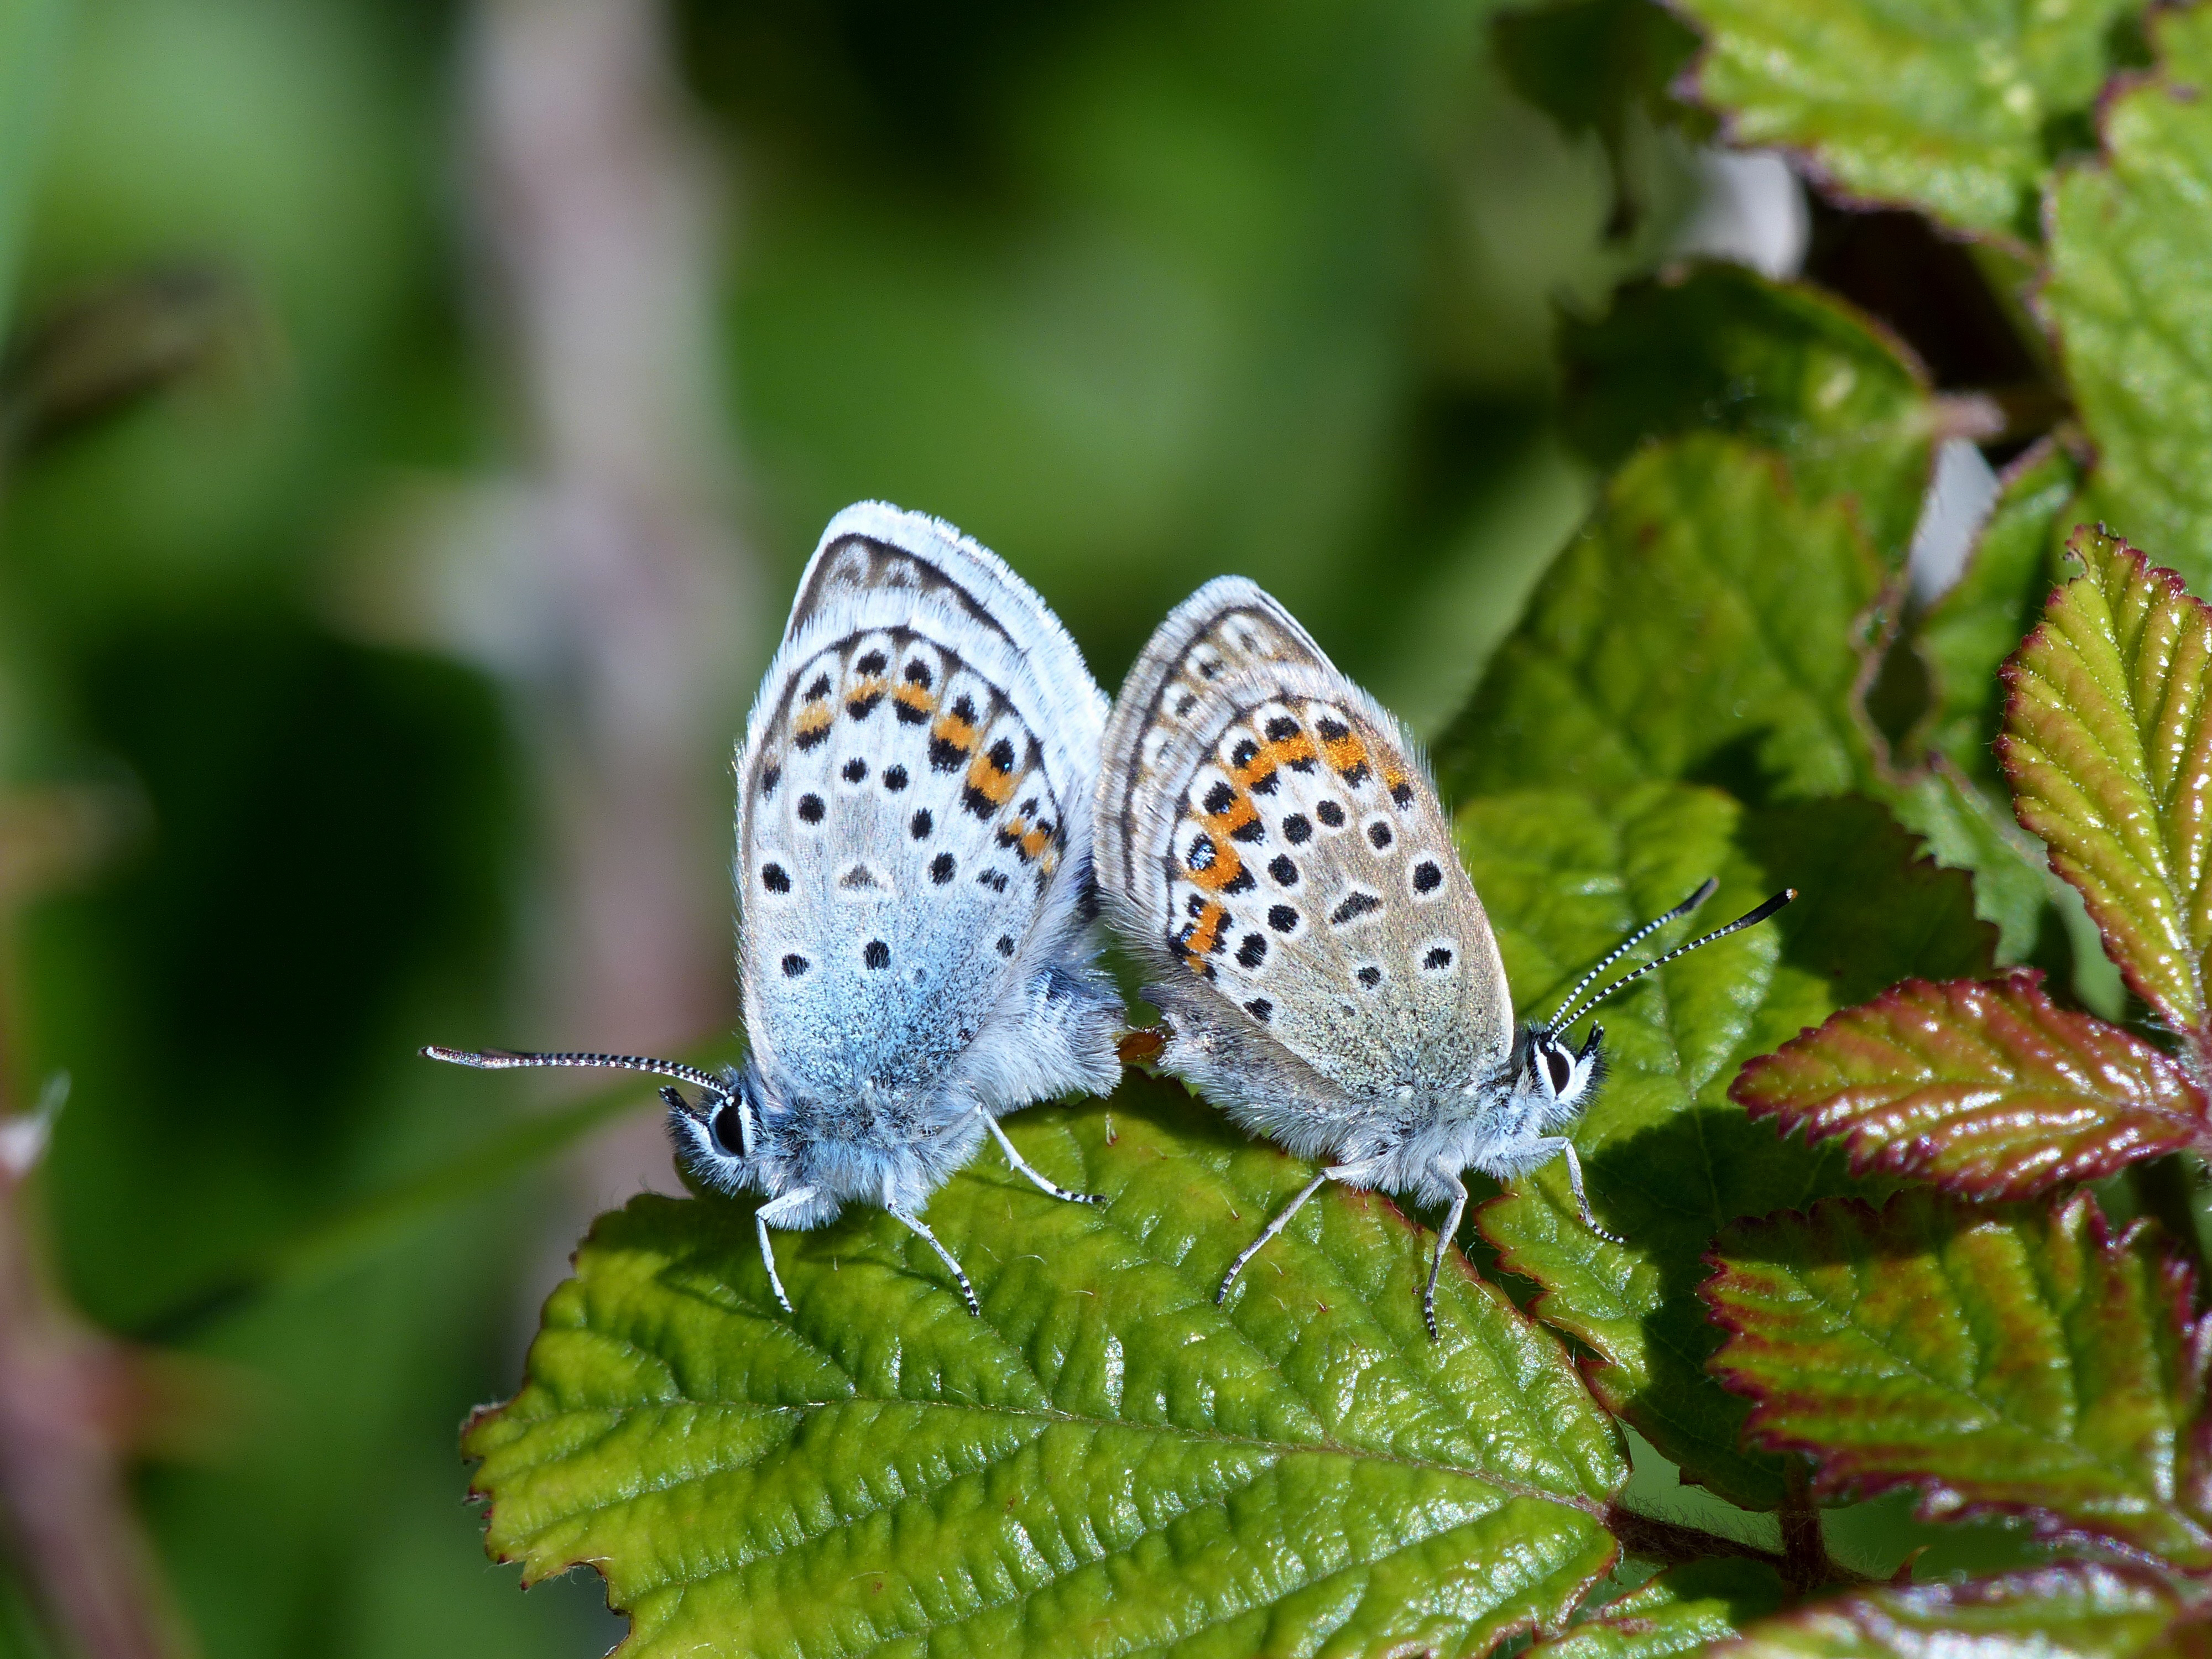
2097	1610
2126	298
1673	639
1103	1463
2110	756
1722	350
1996	1360
1679	1610
1984	1088
1671	1160
1947	105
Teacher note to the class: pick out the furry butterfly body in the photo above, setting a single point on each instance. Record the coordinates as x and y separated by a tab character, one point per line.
1268	839
913	861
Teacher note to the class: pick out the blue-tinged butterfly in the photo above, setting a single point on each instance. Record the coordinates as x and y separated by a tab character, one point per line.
915	927
1268	837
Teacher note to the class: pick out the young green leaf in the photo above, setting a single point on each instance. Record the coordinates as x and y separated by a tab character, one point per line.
2128	245
1943	106
2084	1608
1985	1087
1670	1160
1680	1611
2011	1360
2110	758
1722	350
1670	641
1104	1462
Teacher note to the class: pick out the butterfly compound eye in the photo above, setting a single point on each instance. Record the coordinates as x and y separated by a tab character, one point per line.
1561	1068
728	1130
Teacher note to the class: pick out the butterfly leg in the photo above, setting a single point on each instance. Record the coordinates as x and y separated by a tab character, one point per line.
921	1229
1282	1221
1553	1146
773	1214
1043	1183
1444	1236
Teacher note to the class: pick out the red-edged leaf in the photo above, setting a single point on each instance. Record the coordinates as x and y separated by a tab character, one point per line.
1995	1359
2110	754
1676	1610
1985	1087
2080	1607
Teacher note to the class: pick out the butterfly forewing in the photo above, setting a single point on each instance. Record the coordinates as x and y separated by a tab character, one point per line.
1284	847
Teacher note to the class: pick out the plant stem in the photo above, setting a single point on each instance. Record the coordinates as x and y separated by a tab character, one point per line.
1805	1551
62	1490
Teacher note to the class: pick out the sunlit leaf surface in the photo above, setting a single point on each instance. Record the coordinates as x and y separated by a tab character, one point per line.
1983	1087
1996	1360
1103	1463
1670	641
2100	1610
1943	106
2106	744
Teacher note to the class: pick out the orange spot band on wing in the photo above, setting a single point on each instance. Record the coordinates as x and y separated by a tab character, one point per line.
1345	753
1206	936
912	696
1227	866
985	778
1231	818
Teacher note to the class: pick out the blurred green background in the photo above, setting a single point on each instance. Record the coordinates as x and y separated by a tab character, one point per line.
415	416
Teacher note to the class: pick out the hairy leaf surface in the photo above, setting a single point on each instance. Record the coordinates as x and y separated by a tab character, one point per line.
1104	1462
1671	1160
1994	1359
1679	1611
1983	1087
2129	243
1943	106
1672	640
2102	1612
2106	743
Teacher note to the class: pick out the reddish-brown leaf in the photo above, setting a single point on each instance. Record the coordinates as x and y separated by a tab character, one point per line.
1997	1359
2074	1608
2108	746
1985	1087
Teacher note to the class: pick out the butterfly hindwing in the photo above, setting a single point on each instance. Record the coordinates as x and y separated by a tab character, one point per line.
914	809
1277	841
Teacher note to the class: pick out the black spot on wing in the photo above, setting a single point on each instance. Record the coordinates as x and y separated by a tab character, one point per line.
1356	905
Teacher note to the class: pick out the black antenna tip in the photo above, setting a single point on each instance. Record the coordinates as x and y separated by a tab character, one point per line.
1706	889
1768	909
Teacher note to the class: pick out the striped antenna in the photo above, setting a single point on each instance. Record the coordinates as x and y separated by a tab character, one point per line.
1705	891
501	1059
1749	919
